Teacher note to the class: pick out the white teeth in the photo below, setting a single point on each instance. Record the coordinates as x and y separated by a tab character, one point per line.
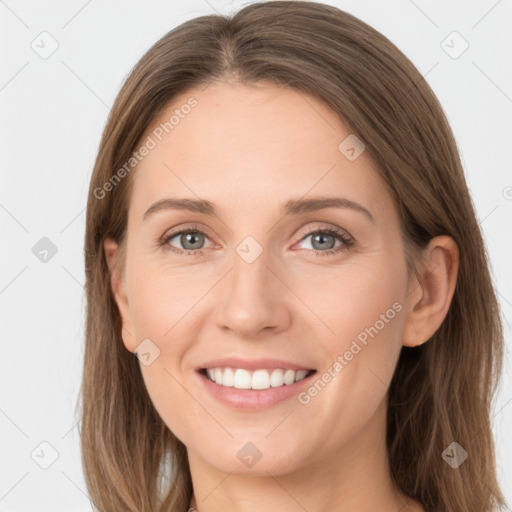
241	378
300	374
277	378
260	380
228	379
289	377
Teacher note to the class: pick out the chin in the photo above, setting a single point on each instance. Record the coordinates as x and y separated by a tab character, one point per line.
247	458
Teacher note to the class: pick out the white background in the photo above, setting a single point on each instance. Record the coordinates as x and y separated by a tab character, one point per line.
52	114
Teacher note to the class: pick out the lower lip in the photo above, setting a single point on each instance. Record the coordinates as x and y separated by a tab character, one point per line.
253	399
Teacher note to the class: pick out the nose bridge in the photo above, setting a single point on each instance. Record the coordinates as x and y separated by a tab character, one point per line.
251	299
250	274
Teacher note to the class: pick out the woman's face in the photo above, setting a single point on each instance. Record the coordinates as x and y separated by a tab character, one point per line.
259	285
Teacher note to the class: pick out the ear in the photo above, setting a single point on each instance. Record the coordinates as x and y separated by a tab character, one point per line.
430	295
113	256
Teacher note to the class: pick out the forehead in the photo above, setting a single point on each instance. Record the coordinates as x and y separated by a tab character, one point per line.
252	146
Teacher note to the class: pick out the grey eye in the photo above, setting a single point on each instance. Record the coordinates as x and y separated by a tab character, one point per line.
190	240
321	240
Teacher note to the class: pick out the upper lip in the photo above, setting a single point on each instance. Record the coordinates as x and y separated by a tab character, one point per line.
253	364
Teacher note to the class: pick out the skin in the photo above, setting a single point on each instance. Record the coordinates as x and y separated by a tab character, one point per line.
248	150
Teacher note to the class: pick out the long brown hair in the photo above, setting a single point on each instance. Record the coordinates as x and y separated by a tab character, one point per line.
441	392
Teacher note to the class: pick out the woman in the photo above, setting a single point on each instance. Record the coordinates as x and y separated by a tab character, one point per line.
266	376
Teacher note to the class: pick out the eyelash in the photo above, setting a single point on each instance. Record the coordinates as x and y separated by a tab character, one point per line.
347	241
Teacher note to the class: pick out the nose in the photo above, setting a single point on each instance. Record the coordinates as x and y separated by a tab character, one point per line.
252	298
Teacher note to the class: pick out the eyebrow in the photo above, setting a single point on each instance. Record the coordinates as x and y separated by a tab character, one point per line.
291	207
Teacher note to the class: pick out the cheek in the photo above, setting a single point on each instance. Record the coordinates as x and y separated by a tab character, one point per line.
362	305
162	302
373	317
162	307
369	308
359	299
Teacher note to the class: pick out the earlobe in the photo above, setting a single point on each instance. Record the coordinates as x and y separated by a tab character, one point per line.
112	256
430	300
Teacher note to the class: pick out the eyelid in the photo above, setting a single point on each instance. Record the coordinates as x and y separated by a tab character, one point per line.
186	227
327	228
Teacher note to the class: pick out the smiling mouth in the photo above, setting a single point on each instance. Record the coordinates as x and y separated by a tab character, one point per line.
261	379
